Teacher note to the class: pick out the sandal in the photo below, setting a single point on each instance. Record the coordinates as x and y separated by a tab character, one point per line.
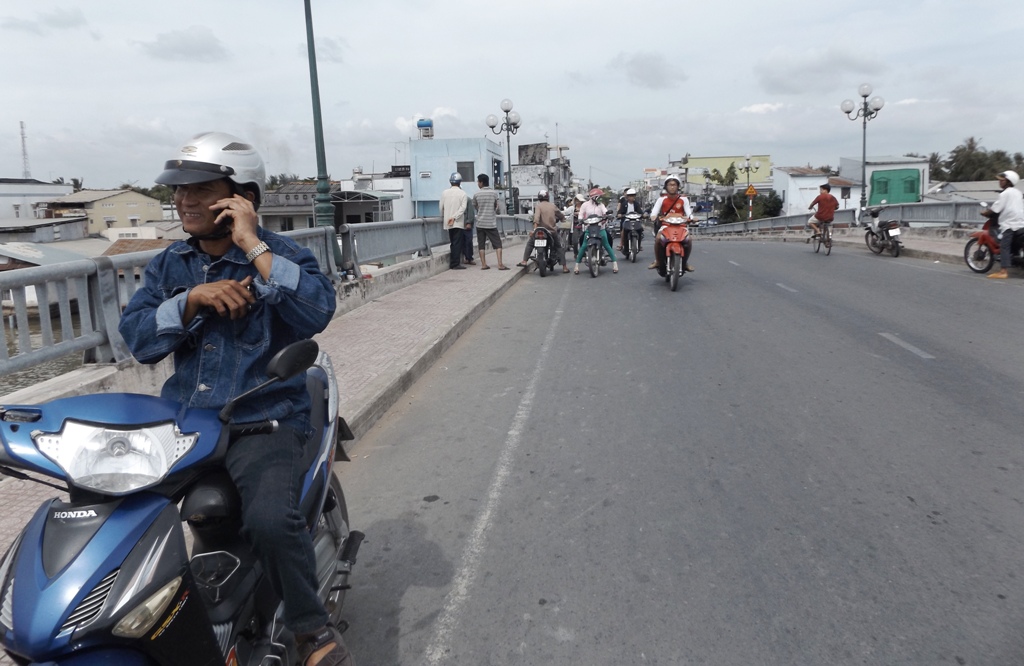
336	656
522	264
485	268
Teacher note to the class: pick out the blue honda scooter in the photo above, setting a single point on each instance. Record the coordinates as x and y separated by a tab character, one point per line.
107	577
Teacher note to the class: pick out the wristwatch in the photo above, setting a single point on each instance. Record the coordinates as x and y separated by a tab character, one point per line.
260	248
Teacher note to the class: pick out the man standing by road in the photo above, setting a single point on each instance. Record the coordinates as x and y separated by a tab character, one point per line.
1009	208
485	203
453	211
222	303
827	205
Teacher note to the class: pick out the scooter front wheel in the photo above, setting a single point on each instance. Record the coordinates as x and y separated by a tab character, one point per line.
675	269
595	260
979	257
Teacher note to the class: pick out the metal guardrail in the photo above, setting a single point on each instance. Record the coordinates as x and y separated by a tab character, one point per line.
952	214
98	289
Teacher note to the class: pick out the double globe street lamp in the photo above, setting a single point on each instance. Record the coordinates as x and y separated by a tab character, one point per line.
747	166
868	110
509	126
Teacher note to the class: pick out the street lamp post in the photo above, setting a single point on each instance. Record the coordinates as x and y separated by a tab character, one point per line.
324	210
747	166
868	110
509	126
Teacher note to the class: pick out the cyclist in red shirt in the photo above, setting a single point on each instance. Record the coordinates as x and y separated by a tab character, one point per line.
827	205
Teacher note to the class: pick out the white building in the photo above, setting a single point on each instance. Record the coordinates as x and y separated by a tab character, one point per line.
19	197
798	186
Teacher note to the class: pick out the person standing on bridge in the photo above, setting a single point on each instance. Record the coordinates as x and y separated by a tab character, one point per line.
1009	210
827	206
453	211
485	203
223	303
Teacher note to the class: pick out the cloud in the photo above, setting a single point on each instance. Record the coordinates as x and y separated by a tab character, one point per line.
331	49
784	71
762	108
58	19
407	126
195	44
648	70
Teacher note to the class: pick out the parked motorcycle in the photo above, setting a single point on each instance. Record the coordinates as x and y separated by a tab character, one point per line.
632	227
883	235
545	250
674	230
982	250
595	255
105	578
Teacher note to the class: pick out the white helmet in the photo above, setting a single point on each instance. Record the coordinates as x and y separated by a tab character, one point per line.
214	155
630	191
455	178
674	177
542	195
1011	176
580	197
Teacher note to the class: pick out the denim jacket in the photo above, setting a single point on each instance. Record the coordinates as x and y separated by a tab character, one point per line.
217	358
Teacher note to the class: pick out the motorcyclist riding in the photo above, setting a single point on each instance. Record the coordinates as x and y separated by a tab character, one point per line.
1008	209
594	207
547	215
671	202
626	206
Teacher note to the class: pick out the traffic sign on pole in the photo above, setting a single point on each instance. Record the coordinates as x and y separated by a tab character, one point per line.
751	191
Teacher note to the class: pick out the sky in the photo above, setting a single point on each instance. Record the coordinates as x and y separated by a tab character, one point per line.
107	90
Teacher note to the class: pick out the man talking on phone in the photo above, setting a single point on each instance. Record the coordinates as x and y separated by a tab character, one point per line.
223	303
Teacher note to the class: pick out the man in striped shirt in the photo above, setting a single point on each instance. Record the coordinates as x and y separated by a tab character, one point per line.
485	204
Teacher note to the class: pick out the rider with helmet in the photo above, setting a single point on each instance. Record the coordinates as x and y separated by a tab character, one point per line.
1008	209
629	205
670	202
594	207
222	303
453	212
546	215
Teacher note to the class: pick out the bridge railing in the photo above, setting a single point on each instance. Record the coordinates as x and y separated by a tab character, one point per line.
98	289
948	214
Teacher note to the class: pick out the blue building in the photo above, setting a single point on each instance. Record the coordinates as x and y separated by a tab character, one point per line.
432	161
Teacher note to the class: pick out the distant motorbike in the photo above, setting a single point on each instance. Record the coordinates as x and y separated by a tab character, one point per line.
545	250
595	225
632	227
107	578
884	235
982	251
674	230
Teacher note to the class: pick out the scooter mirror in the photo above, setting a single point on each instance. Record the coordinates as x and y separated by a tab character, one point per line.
293	359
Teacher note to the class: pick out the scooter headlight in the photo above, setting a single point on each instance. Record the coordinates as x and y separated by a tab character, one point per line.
113	461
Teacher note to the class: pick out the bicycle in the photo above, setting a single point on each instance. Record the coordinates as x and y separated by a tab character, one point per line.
824	238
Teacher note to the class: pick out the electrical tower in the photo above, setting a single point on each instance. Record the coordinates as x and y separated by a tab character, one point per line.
26	173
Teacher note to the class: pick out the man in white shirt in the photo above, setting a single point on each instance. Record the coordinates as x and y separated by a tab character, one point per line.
1009	207
453	211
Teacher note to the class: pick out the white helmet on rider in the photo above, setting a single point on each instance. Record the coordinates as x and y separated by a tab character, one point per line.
1011	176
679	183
215	155
542	195
455	178
580	197
630	191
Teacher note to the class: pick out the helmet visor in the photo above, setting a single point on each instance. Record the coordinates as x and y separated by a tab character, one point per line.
186	172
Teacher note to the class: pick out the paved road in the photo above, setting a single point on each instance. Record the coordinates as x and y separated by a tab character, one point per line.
796	459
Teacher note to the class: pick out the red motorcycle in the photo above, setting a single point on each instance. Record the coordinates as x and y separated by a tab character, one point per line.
982	250
673	232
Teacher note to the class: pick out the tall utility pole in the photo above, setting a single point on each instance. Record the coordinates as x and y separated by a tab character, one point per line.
26	173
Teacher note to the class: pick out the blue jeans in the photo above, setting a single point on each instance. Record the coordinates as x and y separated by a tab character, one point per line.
265	469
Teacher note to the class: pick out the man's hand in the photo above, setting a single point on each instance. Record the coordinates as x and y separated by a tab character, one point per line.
230	298
239	212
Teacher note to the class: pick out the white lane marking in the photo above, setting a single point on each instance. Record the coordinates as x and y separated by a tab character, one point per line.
906	345
440	647
733	263
789	289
